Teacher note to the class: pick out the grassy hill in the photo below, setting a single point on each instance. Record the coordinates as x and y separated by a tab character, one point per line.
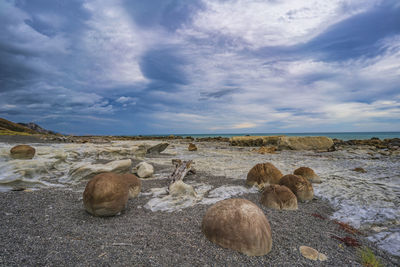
9	128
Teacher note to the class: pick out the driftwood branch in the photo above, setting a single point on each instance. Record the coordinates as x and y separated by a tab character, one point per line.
181	169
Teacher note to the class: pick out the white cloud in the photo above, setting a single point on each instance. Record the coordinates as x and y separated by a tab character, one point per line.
256	24
244	125
113	44
288	94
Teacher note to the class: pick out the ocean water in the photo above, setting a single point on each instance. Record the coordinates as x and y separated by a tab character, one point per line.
343	136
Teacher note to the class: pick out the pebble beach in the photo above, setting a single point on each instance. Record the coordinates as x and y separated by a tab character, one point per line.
46	224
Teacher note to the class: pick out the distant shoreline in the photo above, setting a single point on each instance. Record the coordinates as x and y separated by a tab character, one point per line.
190	137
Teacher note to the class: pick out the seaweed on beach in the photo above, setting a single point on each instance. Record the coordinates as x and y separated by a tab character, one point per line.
347	240
316	215
348	228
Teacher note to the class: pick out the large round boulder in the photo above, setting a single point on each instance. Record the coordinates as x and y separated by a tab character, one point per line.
263	174
299	185
107	194
278	197
308	173
22	152
238	224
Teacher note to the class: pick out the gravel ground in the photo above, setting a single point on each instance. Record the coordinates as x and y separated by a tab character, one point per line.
49	227
21	139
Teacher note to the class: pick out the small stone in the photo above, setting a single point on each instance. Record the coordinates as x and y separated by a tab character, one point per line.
192	147
359	169
309	253
179	188
322	257
312	254
144	170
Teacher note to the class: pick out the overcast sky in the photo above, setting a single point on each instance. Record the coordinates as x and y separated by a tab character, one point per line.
178	66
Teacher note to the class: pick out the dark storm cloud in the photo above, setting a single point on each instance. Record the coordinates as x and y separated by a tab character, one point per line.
164	65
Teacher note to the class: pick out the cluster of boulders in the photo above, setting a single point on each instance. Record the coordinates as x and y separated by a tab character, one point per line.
241	225
390	144
282	191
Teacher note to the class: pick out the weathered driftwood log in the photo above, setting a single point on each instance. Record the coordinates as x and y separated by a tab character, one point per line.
181	169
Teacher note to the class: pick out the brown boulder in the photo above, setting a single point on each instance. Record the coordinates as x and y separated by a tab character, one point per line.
308	173
192	147
278	197
263	173
22	152
238	224
299	185
107	193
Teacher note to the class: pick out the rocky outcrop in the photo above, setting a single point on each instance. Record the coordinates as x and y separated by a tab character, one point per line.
86	170
374	142
320	143
192	147
238	224
308	173
22	152
285	142
254	140
107	193
144	170
157	148
278	197
262	174
15	127
299	185
36	128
